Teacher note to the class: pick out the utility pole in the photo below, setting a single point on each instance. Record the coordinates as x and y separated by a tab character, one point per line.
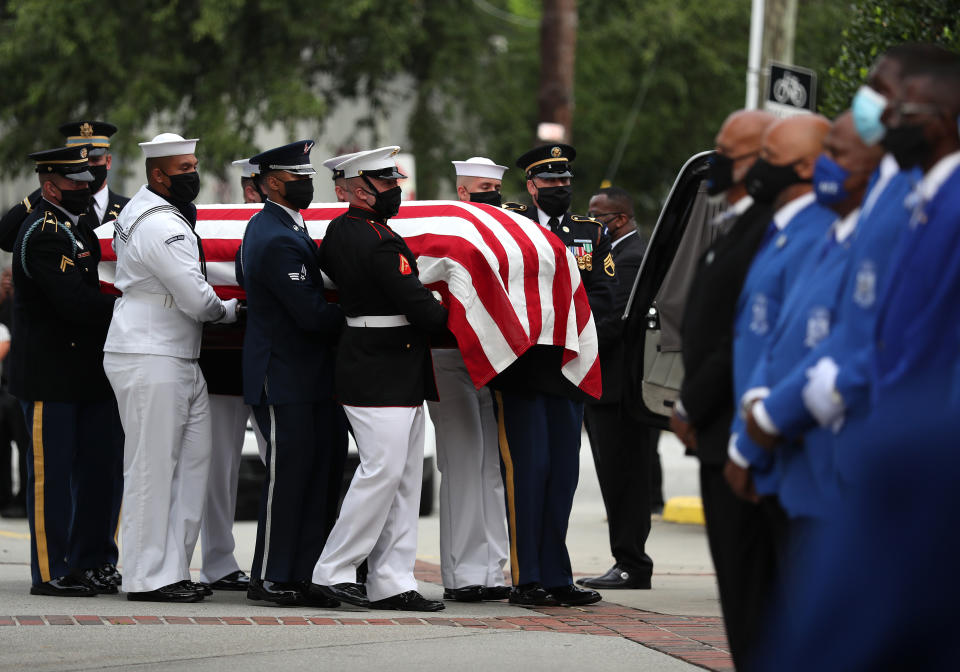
558	44
773	27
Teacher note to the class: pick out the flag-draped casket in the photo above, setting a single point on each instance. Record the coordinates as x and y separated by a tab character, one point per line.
507	282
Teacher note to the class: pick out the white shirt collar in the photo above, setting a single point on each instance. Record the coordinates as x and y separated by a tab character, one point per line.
936	176
294	214
888	168
789	210
842	228
621	239
544	219
100	200
73	218
741	205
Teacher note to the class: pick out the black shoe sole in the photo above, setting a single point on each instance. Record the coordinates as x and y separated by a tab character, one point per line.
389	607
344	597
138	597
279	601
35	591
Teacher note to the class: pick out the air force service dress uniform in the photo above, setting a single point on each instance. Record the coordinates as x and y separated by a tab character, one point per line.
540	415
220	363
151	360
383	376
288	380
56	372
473	521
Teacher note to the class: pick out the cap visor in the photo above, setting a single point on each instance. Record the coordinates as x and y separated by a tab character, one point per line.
565	173
82	176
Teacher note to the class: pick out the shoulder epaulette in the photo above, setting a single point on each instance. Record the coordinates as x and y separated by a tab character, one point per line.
515	207
26	204
584	218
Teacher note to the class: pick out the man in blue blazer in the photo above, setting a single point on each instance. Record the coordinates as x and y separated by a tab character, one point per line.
288	380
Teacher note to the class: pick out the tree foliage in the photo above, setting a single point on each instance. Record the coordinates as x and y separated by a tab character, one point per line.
876	25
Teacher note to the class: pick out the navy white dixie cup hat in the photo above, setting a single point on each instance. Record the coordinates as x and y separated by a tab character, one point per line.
479	166
168	144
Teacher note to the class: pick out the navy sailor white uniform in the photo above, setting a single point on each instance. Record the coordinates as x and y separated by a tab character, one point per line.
383	374
151	361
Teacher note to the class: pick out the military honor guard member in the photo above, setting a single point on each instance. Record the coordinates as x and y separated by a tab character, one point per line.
56	372
383	376
107	204
623	449
151	361
473	522
339	182
540	413
288	380
220	363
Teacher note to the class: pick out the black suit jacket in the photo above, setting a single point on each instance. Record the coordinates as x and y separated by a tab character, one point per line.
707	331
60	315
376	274
627	256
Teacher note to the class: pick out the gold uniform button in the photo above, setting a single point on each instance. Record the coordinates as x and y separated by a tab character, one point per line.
408	346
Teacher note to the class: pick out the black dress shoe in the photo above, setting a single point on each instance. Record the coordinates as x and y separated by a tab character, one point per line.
110	573
617	578
97	580
496	592
15	510
571	596
64	586
175	592
201	588
237	581
351	593
532	595
311	596
465	594
408	601
286	593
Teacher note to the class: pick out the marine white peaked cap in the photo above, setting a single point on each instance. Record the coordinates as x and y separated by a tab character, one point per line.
168	144
373	162
335	161
479	166
247	169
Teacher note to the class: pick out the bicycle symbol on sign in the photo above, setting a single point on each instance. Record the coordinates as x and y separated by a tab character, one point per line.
789	88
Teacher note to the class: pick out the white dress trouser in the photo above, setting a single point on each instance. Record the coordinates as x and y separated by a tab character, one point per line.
166	457
228	424
379	516
473	520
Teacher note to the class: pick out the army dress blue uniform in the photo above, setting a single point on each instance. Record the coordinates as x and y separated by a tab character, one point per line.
540	414
288	359
56	371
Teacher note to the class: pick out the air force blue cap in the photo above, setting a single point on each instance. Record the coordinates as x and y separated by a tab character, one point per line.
293	158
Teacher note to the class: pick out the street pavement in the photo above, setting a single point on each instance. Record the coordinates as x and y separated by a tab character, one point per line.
675	626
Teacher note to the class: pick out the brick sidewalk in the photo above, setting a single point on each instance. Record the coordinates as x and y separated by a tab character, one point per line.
699	640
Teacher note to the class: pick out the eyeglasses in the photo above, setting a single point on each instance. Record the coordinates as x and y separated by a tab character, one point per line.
597	215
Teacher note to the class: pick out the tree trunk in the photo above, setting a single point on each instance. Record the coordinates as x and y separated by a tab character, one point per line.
558	43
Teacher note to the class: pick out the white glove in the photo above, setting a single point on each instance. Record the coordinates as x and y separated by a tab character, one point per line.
750	396
820	395
231	306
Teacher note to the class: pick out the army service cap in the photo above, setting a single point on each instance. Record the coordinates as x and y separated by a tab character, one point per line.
334	161
94	133
479	166
293	158
548	161
247	169
373	163
71	162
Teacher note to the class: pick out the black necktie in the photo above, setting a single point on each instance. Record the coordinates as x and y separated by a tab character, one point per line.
554	224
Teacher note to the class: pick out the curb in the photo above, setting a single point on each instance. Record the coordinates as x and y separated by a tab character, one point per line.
684	510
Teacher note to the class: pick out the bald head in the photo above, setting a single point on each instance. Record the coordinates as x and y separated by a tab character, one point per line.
796	139
739	140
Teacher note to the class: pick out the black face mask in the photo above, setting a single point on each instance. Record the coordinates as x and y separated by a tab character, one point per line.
554	201
489	197
387	202
719	174
765	181
299	193
184	186
908	145
99	177
75	201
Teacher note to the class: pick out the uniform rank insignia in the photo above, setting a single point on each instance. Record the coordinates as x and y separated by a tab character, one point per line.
64	262
174	239
608	266
405	266
299	276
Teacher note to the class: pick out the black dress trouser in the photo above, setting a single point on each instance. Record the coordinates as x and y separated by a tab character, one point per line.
622	452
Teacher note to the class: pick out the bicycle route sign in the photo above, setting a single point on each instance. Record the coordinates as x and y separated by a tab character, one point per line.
790	90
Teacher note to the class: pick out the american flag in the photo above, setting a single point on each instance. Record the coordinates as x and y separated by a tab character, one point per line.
507	282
